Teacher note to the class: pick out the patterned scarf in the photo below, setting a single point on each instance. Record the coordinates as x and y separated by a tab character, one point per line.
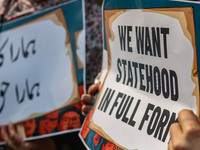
11	9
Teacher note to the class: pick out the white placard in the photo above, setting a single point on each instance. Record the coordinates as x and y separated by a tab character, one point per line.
144	91
34	57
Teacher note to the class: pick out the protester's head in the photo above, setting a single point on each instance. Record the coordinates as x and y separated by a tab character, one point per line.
109	146
69	118
30	126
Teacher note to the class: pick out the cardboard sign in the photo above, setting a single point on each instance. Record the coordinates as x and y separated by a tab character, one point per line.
152	75
36	70
40	78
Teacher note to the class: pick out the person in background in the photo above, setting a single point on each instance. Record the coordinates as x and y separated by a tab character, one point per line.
94	46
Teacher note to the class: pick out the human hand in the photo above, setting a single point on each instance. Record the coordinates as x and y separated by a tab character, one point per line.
87	99
185	135
12	139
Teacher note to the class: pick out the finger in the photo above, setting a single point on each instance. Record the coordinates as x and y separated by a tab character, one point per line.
93	89
11	130
15	137
188	115
175	133
86	109
6	138
87	99
170	146
4	133
188	119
